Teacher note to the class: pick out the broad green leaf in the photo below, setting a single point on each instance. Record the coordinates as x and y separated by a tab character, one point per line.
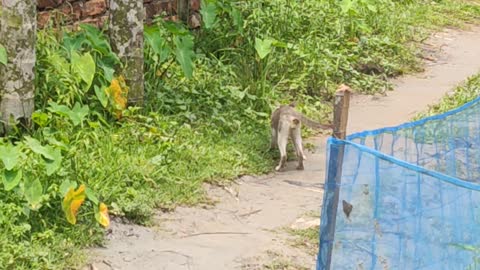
154	39
372	8
78	114
91	196
53	165
209	13
33	191
346	6
3	55
150	32
165	53
237	19
59	109
84	66
73	42
40	118
175	28
101	215
58	144
72	202
96	39
279	44
11	178
185	54
100	93
108	72
263	47
158	159
58	61
36	147
237	93
9	155
157	43
26	211
66	186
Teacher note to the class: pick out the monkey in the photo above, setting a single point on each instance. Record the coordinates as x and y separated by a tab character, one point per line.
287	122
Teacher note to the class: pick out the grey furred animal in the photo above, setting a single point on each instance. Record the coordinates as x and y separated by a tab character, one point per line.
285	123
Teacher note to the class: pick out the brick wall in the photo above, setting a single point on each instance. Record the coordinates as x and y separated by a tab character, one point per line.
95	12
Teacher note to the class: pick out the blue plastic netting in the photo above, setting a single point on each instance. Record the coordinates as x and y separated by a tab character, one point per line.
415	196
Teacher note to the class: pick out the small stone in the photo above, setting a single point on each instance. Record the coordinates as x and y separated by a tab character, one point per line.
43	18
94	7
44	4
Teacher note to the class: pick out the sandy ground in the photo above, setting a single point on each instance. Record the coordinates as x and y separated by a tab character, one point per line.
244	230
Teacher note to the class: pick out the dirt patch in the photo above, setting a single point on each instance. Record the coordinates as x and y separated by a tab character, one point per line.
244	230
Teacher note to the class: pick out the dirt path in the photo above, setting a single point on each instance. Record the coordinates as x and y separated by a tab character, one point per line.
244	230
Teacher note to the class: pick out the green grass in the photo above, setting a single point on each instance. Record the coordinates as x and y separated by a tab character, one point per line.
278	261
138	171
466	92
306	239
462	94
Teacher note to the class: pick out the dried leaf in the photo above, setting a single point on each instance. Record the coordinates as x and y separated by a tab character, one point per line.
72	202
101	215
118	93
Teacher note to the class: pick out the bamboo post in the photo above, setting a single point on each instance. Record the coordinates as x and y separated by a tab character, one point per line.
334	177
183	10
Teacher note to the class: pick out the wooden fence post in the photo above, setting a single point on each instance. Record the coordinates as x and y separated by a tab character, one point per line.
340	113
334	178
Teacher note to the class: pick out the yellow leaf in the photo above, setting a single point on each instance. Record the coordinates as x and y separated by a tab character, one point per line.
118	93
72	202
102	215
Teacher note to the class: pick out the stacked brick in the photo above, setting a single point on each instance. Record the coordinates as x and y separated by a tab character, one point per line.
95	12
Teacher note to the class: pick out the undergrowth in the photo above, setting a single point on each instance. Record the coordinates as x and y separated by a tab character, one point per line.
462	94
209	93
306	239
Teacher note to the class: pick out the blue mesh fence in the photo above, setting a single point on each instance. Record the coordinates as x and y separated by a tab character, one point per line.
414	192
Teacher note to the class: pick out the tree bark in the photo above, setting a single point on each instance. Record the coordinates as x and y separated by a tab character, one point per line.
18	26
126	35
183	10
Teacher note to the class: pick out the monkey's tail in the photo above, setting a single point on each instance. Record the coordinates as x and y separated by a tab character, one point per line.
313	124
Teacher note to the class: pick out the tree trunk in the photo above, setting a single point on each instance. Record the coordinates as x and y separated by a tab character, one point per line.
126	35
18	25
183	10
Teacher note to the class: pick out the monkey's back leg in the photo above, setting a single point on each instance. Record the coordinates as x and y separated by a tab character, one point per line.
282	140
273	142
296	135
